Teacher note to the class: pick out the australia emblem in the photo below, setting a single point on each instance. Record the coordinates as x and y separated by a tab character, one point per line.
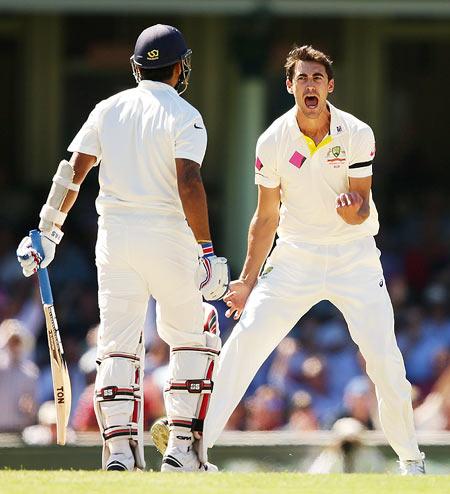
336	156
336	150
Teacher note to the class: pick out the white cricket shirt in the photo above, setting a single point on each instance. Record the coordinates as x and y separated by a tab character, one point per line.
310	177
136	136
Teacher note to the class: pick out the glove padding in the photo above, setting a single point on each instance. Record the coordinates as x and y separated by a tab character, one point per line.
213	276
29	258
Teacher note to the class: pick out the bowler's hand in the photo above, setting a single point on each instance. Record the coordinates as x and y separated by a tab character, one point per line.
348	206
236	298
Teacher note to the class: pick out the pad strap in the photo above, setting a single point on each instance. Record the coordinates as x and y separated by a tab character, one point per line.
194	425
119	394
207	350
196	386
52	215
129	431
129	356
55	234
66	183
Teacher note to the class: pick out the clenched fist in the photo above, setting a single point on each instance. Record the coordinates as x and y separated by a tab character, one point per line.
348	207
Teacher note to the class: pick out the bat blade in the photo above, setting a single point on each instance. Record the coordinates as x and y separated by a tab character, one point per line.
60	375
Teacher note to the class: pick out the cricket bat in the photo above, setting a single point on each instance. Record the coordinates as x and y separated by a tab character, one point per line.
60	374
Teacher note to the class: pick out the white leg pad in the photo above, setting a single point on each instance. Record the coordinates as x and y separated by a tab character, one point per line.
192	371
118	403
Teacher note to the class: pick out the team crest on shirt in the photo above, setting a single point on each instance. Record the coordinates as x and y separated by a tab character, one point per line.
336	156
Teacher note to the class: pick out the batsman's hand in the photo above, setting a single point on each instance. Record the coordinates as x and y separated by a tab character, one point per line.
213	275
30	260
236	298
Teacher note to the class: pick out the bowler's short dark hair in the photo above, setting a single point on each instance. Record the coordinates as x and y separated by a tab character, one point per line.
307	53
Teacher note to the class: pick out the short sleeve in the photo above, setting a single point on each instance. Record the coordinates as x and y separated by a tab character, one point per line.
265	163
191	139
87	140
362	153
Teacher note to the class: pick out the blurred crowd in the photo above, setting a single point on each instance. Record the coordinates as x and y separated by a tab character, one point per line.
314	378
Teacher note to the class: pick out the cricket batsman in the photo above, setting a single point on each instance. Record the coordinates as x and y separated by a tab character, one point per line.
153	240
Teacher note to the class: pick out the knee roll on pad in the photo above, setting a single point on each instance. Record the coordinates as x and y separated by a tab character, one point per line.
118	403
210	319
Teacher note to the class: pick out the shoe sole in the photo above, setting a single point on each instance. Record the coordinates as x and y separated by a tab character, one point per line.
160	435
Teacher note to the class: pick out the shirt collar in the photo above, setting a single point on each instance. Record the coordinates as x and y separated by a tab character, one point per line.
292	123
336	123
157	85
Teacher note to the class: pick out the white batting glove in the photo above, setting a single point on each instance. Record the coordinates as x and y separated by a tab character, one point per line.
213	273
30	260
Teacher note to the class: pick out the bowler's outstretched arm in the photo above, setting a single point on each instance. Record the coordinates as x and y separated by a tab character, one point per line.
260	240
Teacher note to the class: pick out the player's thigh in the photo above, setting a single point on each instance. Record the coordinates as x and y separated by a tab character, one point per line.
291	283
180	323
370	319
175	288
269	315
360	293
122	296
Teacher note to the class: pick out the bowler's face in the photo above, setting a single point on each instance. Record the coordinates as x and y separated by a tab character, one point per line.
310	87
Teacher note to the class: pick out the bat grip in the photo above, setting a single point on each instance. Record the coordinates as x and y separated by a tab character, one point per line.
44	281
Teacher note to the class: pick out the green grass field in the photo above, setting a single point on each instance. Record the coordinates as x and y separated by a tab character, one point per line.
80	482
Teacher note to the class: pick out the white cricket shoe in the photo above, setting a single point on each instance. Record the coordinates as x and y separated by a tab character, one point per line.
176	460
413	467
120	462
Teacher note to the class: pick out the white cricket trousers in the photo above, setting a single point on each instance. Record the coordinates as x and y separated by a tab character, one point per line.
139	254
350	276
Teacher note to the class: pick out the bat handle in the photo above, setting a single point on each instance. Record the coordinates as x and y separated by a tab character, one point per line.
44	281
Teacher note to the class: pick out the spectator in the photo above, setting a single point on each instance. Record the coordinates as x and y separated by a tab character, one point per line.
301	413
340	352
437	322
18	378
157	355
434	412
315	382
238	419
77	379
266	410
83	416
420	350
283	373
360	403
44	432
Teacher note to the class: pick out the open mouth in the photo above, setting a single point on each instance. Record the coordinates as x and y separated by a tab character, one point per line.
311	102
